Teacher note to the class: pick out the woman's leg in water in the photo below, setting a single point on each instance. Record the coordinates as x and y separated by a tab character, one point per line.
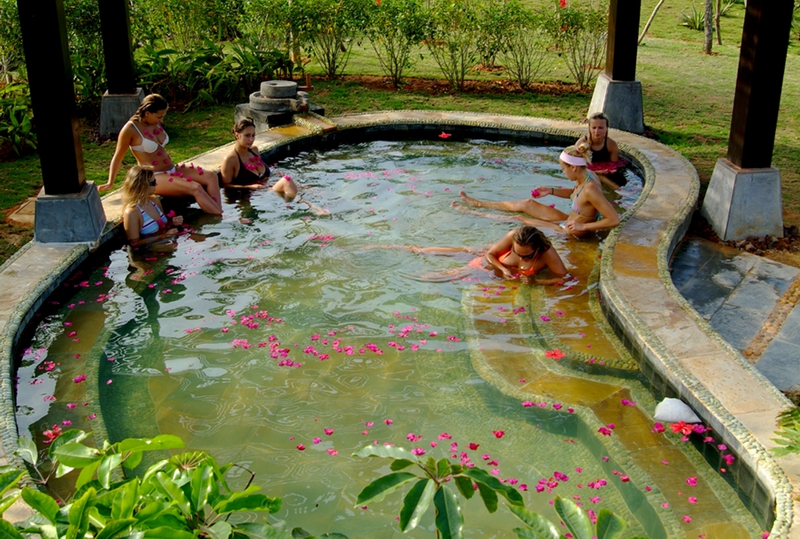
528	206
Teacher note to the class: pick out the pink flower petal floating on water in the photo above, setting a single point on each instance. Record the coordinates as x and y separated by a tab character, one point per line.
657	428
333	452
527	404
624	478
498	433
604	431
79	379
418	451
301	447
648	488
626	402
444	135
692	499
729	459
71	406
316	440
473	446
92	416
328	431
691	481
687	518
388	421
665	462
545	318
370	423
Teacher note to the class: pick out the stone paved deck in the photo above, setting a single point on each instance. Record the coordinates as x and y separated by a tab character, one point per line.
637	291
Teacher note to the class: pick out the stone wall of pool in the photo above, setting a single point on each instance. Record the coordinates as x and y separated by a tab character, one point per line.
676	349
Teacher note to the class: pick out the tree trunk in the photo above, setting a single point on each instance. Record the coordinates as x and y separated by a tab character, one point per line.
649	21
708	26
716	22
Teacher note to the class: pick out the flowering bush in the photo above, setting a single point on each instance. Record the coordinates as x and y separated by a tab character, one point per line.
452	36
394	27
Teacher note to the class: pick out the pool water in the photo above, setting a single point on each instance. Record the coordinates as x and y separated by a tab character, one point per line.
286	336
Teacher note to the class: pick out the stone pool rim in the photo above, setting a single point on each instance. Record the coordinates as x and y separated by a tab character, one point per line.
671	184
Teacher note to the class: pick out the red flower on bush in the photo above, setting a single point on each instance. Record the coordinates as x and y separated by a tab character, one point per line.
561	3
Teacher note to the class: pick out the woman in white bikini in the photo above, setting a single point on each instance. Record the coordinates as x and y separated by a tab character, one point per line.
590	210
146	138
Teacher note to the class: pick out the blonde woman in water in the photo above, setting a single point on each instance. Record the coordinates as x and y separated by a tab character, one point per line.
589	212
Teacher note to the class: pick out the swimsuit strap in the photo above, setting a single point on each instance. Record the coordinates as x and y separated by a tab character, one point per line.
577	190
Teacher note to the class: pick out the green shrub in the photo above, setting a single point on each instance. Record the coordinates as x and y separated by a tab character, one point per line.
493	21
11	55
183	24
694	20
329	28
452	37
525	51
16	117
395	26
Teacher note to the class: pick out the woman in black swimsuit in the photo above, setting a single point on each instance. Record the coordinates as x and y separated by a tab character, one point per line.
243	167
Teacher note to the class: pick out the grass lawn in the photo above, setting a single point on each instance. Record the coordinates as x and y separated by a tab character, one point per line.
688	98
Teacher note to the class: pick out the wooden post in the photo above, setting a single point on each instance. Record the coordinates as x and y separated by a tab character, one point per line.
117	49
623	34
762	61
44	39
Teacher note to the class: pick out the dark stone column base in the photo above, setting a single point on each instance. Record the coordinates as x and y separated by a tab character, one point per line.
77	218
621	101
116	110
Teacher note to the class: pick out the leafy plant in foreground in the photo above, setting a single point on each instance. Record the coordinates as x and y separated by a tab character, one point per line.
608	525
182	497
431	487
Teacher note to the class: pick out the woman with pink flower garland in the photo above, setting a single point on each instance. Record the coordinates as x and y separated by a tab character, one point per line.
243	167
146	138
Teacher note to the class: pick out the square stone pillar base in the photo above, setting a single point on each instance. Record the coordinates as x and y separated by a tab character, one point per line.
76	218
116	110
742	202
621	101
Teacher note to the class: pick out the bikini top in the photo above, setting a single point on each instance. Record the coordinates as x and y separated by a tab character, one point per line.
529	271
149	145
247	174
590	176
150	225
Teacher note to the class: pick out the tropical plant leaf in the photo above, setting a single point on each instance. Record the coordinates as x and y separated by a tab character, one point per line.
220	530
125	501
162	441
8	501
449	520
509	493
202	477
300	533
174	493
489	497
8	531
416	503
42	503
76	455
400	464
115	528
465	486
78	515
442	468
261	531
9	479
333	535
375	491
251	502
106	466
165	532
539	526
609	525
27	451
72	435
133	460
84	477
575	519
385	451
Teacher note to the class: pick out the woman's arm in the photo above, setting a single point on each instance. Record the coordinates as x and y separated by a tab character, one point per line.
544	190
123	143
594	195
555	265
132	221
613	150
497	250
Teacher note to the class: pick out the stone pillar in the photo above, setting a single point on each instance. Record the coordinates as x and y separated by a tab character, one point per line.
744	195
122	98
617	92
44	39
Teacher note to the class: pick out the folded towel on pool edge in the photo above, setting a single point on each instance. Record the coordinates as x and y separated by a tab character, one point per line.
674	410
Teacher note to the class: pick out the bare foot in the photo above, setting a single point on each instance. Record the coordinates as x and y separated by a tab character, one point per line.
469	201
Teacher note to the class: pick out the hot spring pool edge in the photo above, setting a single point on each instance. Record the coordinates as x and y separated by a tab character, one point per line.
648	314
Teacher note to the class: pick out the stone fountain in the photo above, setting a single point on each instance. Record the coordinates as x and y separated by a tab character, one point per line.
275	104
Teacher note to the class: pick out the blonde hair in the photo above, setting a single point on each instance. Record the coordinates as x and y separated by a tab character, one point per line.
598	116
135	190
582	149
532	237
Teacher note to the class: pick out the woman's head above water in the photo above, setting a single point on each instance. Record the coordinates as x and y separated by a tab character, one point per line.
532	237
140	184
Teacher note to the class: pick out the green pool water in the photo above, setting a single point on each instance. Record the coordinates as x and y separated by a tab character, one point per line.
270	327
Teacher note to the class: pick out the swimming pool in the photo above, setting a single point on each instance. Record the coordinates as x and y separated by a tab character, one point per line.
163	335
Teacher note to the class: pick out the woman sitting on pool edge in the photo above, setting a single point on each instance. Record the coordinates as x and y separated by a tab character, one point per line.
146	138
143	217
590	211
606	162
243	168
